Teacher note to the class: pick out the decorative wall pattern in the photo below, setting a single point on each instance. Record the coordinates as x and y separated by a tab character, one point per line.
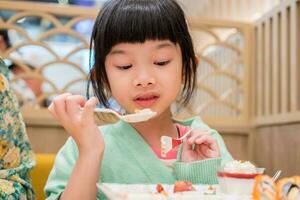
220	73
55	41
52	48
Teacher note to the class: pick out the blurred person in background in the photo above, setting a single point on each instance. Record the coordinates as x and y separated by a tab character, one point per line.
27	88
16	156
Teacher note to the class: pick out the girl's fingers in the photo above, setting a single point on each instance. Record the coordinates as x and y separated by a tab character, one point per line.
52	110
208	145
90	106
209	153
204	150
205	139
59	106
212	154
186	146
202	144
189	141
195	134
74	105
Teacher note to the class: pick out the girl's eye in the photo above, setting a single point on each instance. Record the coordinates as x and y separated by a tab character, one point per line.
124	67
162	63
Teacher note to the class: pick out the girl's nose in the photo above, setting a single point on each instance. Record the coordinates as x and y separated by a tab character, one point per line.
144	79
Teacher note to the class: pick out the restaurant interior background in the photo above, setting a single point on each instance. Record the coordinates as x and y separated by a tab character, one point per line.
248	85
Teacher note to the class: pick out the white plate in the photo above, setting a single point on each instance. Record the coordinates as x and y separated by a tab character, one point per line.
148	192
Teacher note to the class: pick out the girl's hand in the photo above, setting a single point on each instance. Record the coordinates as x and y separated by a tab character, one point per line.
77	117
205	147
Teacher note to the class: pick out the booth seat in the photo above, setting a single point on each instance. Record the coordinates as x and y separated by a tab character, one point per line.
40	172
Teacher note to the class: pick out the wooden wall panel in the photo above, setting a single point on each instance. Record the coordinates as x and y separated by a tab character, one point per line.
237	145
298	51
267	68
45	139
277	147
262	149
259	71
275	66
293	57
284	65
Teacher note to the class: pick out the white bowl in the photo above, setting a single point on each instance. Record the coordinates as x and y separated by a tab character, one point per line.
237	183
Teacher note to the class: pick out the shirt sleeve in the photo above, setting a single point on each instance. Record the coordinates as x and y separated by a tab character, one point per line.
61	171
16	156
203	171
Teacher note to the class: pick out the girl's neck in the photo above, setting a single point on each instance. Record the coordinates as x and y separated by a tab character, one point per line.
153	129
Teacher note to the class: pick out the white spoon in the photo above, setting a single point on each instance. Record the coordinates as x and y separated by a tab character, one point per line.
139	116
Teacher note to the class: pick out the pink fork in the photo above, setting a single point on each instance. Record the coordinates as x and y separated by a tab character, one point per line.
167	143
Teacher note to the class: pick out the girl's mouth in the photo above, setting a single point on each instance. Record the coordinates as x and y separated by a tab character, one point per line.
146	101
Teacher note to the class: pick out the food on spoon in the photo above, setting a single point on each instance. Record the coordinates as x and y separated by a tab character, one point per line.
146	110
183	186
139	115
237	177
264	188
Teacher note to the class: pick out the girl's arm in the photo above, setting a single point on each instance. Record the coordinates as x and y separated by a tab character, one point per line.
82	182
76	116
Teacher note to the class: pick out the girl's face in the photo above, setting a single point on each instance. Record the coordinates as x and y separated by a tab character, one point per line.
145	75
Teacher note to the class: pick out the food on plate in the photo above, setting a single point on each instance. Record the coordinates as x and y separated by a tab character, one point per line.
183	186
160	189
239	167
264	188
237	177
288	188
179	186
210	190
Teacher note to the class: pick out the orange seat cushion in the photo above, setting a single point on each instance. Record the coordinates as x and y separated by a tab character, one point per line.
40	173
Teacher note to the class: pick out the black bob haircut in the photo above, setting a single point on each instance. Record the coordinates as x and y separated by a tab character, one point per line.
135	21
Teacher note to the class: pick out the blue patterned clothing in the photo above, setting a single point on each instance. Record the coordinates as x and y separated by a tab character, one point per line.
16	155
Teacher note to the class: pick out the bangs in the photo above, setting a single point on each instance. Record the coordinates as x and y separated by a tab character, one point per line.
139	21
135	21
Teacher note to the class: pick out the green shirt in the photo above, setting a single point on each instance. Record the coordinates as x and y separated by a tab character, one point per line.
128	159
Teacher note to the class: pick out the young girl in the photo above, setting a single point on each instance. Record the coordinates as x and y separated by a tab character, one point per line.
144	58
